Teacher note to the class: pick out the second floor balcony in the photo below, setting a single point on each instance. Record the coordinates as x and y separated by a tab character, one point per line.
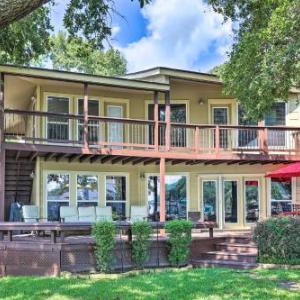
123	136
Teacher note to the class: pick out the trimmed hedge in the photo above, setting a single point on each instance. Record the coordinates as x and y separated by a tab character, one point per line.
141	231
104	233
180	237
278	240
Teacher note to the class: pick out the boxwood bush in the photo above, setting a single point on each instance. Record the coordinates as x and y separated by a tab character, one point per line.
180	237
104	233
141	231
278	240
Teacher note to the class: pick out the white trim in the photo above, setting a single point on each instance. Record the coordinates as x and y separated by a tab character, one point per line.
77	112
185	174
45	122
202	198
269	194
237	200
98	188
186	102
227	113
245	200
45	196
109	124
126	201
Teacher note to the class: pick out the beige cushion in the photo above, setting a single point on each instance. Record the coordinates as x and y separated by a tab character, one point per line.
30	213
104	213
69	214
138	213
87	214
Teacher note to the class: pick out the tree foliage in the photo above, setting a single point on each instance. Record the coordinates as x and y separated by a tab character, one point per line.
76	54
265	60
25	34
23	42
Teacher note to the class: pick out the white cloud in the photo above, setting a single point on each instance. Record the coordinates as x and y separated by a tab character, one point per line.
182	34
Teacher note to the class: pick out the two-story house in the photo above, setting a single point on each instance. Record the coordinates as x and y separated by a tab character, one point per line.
165	138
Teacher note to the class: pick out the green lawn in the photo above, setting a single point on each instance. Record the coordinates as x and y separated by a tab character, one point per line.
167	284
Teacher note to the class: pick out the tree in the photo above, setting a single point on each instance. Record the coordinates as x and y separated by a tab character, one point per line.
75	54
265	60
13	10
24	42
27	40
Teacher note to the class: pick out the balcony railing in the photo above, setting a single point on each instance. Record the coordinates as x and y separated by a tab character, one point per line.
56	128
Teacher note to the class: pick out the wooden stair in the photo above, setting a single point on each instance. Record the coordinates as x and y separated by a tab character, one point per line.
237	252
18	183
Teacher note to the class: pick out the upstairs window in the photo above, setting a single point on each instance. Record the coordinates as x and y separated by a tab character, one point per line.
93	125
58	127
178	115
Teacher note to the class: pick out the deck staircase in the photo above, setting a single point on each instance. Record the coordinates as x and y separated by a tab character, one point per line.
235	252
18	182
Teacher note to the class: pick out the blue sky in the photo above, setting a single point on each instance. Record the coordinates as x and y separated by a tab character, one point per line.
172	33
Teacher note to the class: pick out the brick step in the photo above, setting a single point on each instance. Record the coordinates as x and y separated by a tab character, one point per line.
238	239
231	256
223	264
237	248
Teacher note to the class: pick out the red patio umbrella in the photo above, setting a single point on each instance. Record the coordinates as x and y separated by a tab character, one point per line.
292	170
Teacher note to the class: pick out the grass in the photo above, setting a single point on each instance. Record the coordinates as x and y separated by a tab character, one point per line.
164	284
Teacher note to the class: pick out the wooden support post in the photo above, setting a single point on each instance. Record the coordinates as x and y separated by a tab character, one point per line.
2	151
85	117
156	120
168	120
196	139
162	176
217	139
263	137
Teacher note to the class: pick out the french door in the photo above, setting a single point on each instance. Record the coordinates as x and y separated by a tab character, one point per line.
115	129
220	116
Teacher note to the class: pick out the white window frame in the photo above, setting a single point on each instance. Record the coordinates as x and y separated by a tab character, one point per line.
126	192
98	187
202	198
109	124
162	102
270	200
245	200
55	172
223	199
187	175
98	125
54	95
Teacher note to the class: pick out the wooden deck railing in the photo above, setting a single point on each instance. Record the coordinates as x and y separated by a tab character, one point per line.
57	128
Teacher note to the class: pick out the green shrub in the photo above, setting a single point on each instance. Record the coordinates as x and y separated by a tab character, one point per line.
141	231
180	236
278	240
104	233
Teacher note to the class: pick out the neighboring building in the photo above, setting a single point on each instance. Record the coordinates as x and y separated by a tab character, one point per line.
78	139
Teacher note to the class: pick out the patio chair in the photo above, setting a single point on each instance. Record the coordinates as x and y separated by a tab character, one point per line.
104	214
68	214
87	214
30	213
138	213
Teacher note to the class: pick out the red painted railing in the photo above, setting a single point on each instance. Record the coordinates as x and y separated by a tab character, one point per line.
48	128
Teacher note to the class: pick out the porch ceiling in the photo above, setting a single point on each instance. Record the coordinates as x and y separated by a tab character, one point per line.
31	155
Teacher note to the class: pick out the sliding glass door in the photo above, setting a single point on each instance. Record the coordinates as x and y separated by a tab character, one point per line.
251	188
209	200
176	197
230	197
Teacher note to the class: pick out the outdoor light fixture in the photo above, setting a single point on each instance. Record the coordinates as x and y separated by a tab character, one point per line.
201	101
32	175
142	175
